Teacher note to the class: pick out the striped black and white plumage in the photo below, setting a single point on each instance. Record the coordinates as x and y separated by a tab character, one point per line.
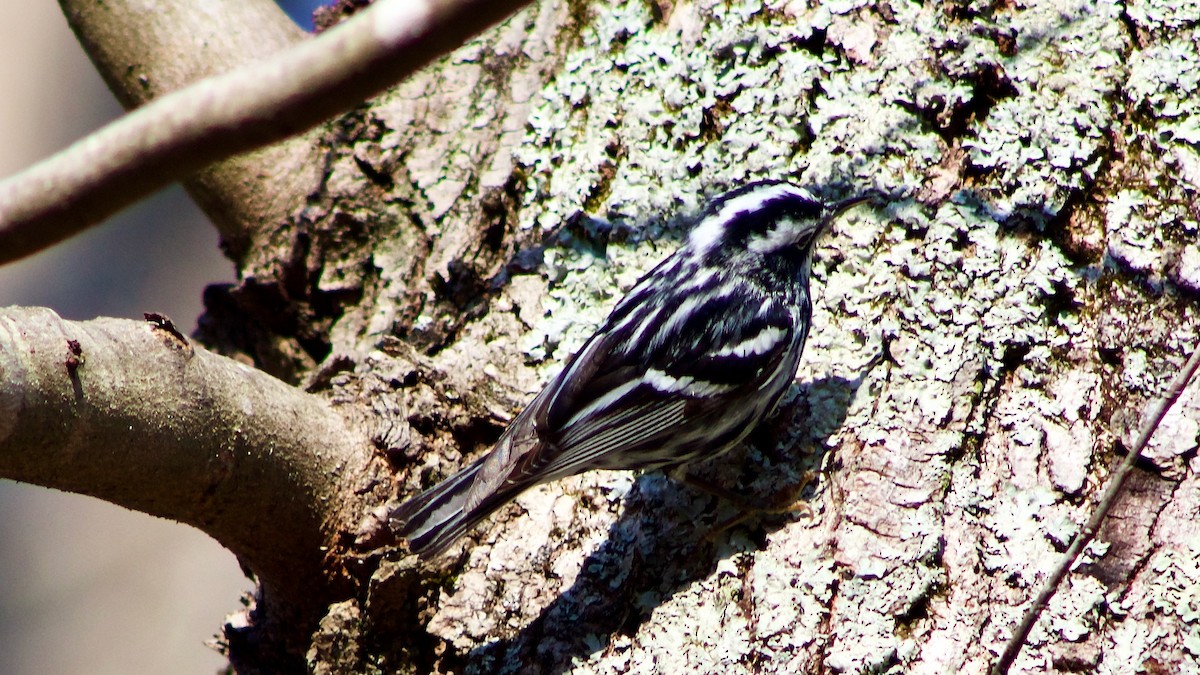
694	356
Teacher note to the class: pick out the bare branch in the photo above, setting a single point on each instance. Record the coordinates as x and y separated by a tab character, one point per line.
1084	537
144	55
136	414
262	103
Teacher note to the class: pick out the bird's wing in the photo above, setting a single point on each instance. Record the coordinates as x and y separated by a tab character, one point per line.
640	399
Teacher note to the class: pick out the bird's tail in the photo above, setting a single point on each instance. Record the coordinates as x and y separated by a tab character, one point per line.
434	519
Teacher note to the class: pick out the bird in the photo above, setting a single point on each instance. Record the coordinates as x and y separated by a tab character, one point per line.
687	364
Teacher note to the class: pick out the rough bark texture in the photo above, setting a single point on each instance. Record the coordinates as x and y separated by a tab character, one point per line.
981	348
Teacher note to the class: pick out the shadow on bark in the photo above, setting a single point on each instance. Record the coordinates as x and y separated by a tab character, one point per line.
660	544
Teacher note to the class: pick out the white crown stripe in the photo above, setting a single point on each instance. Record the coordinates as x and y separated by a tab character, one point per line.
710	231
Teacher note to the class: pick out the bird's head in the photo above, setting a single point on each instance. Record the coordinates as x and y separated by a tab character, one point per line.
763	218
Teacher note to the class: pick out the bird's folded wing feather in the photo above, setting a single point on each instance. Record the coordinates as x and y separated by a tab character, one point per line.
615	396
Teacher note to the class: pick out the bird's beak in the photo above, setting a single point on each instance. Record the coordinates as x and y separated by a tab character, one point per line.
845	205
835	211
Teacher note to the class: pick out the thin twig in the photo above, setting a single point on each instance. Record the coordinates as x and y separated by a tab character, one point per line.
1084	537
186	130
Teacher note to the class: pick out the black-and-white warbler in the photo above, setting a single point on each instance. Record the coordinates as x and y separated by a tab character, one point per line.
690	360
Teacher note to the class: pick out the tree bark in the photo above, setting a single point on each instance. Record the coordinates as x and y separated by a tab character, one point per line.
983	349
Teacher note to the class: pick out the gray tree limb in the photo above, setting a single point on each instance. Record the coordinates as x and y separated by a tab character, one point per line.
138	415
144	55
259	104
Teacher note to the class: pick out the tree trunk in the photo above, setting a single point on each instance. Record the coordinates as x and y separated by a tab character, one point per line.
983	347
